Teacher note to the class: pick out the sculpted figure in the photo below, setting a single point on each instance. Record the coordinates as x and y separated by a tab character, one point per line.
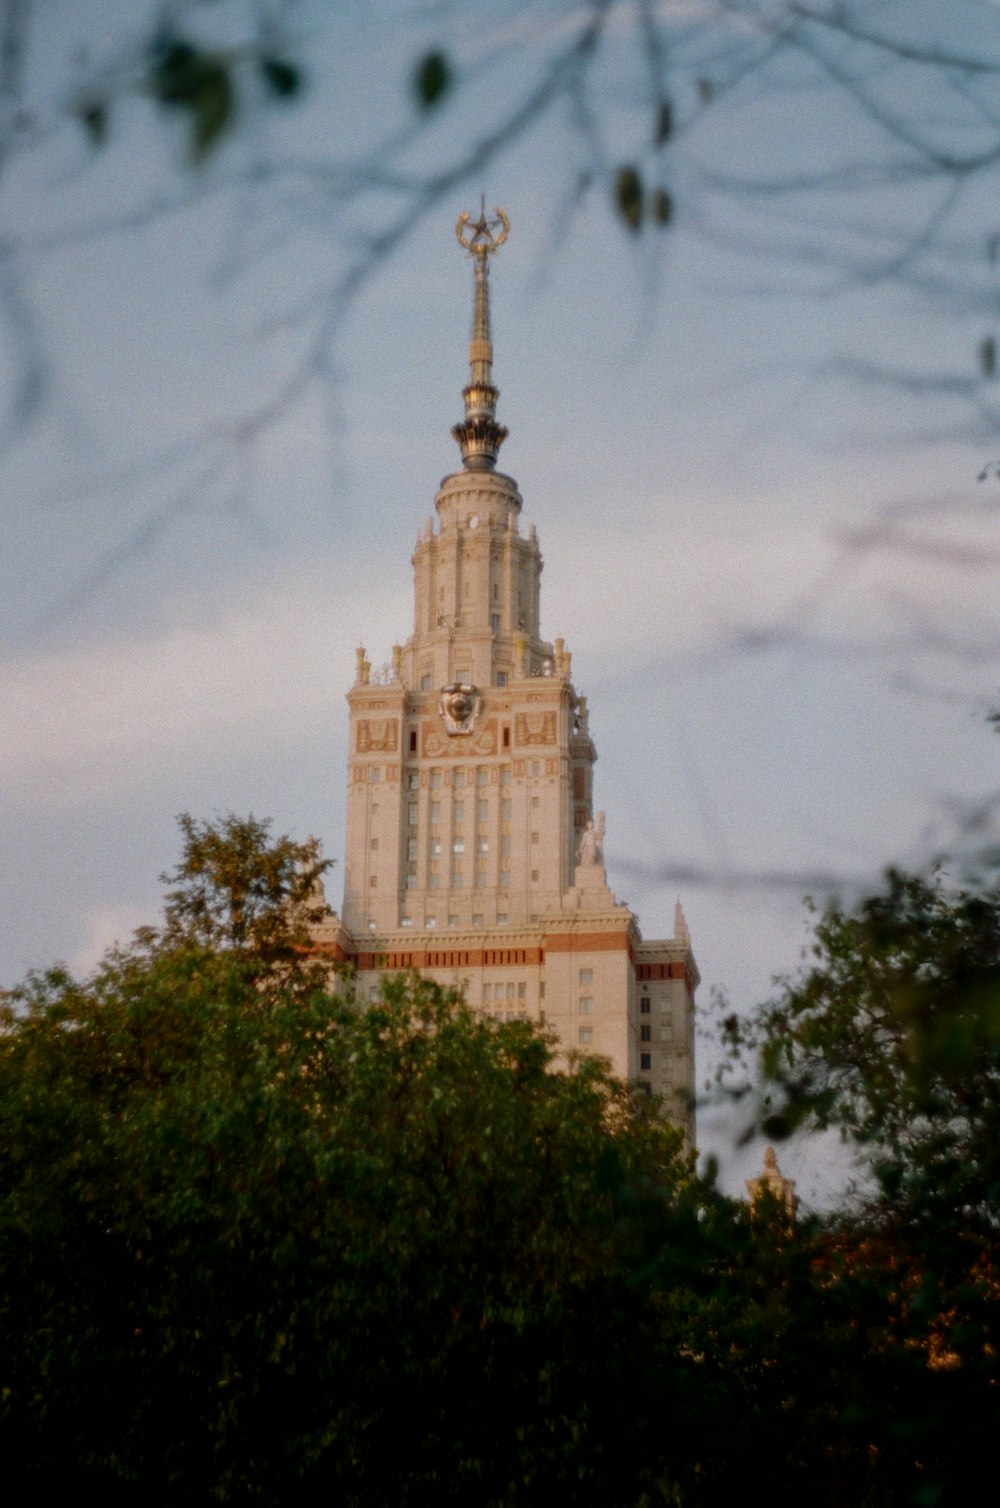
592	843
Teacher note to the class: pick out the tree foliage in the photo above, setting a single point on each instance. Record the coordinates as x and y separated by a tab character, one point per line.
256	1238
234	887
253	1242
261	1240
891	1035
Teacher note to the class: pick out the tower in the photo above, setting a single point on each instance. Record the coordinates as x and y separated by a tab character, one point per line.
472	850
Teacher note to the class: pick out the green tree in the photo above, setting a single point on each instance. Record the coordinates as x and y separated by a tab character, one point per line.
891	1036
236	887
259	1239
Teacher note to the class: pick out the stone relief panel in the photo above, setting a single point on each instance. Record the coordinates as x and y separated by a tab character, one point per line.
434	741
485	741
534	728
378	735
436	744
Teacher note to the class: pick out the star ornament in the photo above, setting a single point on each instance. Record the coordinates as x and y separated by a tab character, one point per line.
482	237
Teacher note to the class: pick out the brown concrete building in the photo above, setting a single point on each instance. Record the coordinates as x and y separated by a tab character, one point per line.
473	852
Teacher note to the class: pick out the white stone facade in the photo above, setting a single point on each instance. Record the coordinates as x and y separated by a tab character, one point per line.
472	851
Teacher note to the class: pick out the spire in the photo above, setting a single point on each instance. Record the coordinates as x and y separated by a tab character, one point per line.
479	435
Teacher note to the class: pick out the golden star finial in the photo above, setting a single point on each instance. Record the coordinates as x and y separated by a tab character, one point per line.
487	234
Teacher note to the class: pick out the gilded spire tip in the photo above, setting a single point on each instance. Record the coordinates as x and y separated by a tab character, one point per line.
480	435
486	235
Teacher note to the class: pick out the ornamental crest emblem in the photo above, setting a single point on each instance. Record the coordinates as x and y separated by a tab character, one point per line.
459	707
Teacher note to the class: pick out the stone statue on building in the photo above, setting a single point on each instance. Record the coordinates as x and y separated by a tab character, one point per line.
591	849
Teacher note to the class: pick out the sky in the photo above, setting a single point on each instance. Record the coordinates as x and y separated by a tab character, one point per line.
749	440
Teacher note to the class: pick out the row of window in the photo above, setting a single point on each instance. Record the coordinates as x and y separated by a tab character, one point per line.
500	677
460	779
482	846
482	879
509	991
478	920
482	812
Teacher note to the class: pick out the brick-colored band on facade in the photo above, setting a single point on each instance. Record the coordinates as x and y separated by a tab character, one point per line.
587	942
660	970
678	970
448	958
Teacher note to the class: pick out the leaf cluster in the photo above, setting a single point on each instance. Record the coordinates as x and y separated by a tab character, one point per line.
892	1035
236	887
201	84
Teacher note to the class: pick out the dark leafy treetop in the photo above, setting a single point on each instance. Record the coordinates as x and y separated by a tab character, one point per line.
263	1241
892	1035
236	887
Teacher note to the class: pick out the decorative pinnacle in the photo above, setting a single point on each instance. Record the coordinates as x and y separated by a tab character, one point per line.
480	435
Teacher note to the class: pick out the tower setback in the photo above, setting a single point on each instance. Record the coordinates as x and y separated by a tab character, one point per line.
472	850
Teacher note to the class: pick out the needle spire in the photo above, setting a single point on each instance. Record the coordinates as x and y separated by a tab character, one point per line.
480	435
